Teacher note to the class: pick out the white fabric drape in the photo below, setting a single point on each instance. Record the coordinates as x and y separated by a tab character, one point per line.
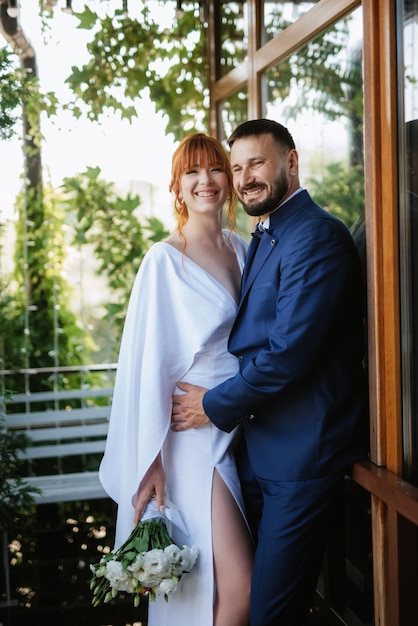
176	329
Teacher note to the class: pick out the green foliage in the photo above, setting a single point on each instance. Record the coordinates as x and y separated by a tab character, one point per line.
110	224
14	90
19	89
341	191
48	330
11	326
129	56
37	324
16	495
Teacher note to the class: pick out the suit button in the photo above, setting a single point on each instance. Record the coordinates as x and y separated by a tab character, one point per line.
251	417
240	358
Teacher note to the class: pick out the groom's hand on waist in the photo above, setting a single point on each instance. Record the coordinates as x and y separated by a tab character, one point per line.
187	411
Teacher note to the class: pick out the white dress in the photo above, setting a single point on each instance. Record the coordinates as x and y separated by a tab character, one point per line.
176	329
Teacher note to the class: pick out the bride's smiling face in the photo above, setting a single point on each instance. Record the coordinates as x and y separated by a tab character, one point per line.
204	187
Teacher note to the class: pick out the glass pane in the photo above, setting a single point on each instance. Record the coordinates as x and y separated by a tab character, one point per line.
409	233
318	94
279	14
233	34
232	112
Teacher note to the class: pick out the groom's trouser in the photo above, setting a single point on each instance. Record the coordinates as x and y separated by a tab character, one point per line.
293	521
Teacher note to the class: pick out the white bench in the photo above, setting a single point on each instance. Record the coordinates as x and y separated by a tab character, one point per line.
59	433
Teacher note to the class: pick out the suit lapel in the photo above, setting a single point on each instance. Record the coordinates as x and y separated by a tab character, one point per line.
258	253
257	256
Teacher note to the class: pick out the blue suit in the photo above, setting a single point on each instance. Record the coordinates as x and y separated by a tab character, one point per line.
300	395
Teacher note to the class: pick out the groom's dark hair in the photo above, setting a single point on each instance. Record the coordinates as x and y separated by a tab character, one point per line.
263	127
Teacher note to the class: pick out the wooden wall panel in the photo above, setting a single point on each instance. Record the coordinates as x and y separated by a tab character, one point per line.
380	140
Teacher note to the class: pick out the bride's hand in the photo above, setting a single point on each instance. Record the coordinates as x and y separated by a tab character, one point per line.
152	486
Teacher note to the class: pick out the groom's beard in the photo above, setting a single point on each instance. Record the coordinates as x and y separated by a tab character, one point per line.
279	190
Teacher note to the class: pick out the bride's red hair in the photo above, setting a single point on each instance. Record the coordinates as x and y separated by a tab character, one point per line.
199	148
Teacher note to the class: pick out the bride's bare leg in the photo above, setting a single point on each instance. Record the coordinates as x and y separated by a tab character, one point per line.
233	558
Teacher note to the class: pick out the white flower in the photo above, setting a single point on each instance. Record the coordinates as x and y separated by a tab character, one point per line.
167	586
156	563
149	581
141	574
172	553
188	558
118	579
137	564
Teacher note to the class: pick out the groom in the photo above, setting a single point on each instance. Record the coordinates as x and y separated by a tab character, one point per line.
300	390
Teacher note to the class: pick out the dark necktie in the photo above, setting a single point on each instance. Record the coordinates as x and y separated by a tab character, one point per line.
257	234
259	231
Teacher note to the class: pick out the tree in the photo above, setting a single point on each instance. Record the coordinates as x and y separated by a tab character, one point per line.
38	300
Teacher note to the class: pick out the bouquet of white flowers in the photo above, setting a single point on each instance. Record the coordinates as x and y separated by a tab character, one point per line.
147	564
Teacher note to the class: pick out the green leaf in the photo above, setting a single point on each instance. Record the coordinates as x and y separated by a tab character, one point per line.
87	18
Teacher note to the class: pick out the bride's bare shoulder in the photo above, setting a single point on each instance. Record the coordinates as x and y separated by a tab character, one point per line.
175	241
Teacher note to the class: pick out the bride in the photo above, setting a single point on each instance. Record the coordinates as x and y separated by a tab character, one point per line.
182	307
